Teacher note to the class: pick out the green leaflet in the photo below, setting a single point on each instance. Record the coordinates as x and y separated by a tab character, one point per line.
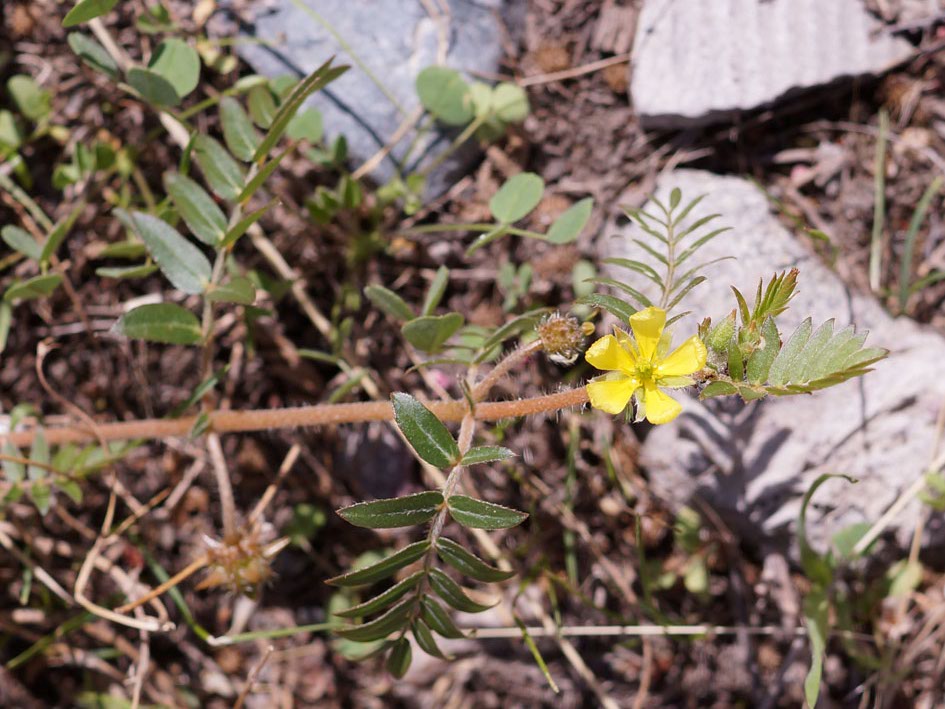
425	432
394	512
383	569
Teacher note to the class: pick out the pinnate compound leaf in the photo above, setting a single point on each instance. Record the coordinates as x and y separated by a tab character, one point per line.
468	563
201	214
166	323
385	599
517	197
394	512
383	569
451	592
479	514
183	263
392	621
812	361
426	433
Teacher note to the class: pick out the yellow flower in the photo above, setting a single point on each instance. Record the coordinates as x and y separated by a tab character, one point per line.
640	367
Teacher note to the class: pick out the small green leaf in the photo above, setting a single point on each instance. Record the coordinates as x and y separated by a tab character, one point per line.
621	309
243	225
468	563
787	358
306	125
434	615
391	621
486	454
142	270
166	323
383	600
451	592
86	10
262	106
33	288
429	333
479	514
154	88
904	577
389	302
845	540
517	197
398	662
426	641
124	249
816	614
6	320
445	94
239	290
568	226
759	364
238	132
510	102
178	63
58	233
718	389
21	241
32	101
183	263
436	290
319	78
261	176
223	173
383	569
201	214
93	54
395	511
425	432
13	471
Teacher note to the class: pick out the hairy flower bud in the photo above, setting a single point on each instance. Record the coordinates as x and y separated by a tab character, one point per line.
562	337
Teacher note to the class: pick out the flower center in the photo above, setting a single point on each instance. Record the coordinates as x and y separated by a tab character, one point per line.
645	370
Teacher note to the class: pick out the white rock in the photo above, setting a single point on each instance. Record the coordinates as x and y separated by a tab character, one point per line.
755	461
394	40
697	62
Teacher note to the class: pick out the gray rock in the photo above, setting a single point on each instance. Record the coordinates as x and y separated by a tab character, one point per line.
755	461
698	62
395	40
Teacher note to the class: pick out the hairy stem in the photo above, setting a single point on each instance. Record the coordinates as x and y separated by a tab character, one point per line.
317	415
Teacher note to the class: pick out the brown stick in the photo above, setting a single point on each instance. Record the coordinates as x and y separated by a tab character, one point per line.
318	415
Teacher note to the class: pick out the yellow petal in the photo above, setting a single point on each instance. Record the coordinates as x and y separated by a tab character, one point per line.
626	342
660	408
689	357
607	354
647	326
611	395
